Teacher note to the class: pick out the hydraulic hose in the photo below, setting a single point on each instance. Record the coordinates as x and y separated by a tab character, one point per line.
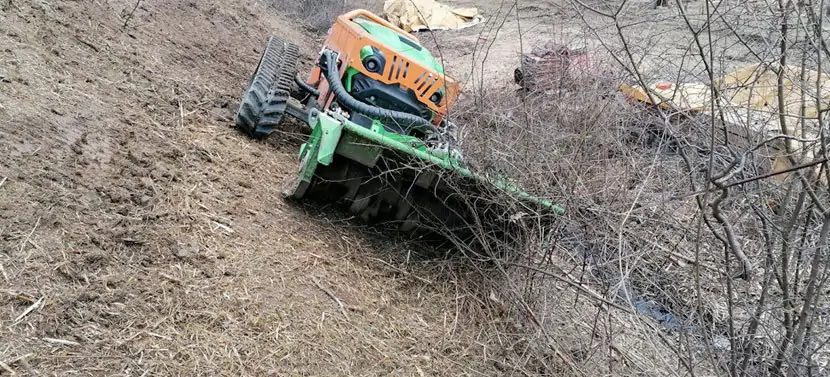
308	88
333	76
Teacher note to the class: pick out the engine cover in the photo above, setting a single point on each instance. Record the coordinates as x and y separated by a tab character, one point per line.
386	96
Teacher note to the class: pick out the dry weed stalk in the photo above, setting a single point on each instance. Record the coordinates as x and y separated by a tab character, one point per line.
728	280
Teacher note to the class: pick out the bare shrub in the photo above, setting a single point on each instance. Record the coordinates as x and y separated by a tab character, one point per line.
315	15
683	250
591	152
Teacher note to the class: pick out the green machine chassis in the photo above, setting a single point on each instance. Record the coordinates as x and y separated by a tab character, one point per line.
414	180
334	134
440	179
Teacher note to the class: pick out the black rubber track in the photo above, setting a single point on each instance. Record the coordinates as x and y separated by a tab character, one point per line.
264	101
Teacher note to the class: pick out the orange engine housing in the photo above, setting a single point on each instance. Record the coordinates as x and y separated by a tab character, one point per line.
347	38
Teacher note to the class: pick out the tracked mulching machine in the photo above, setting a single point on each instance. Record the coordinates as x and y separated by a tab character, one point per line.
380	142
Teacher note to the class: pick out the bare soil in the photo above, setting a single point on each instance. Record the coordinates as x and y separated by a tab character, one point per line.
140	234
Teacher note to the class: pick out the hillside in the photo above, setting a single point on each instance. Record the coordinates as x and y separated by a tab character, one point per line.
151	234
142	234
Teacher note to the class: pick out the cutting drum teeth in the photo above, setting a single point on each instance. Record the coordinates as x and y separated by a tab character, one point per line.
381	198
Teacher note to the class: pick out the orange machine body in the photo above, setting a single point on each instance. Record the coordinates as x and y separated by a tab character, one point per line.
347	38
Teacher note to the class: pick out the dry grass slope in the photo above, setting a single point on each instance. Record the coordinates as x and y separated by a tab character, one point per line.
141	235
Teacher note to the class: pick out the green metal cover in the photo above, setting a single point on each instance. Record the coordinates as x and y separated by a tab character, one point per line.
399	43
328	132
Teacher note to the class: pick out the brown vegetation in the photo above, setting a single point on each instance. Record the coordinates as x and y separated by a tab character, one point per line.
689	254
141	234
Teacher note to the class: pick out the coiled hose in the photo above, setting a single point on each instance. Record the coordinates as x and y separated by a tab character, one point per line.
351	103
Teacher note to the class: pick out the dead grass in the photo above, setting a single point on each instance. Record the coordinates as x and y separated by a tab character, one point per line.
624	284
141	234
316	16
607	287
151	233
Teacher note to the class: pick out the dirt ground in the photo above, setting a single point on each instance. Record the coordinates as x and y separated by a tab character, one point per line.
147	236
140	234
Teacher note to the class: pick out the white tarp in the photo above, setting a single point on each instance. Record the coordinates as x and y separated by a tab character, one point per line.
418	15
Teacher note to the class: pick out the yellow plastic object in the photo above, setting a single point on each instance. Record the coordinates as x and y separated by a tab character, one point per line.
692	97
753	87
749	99
756	87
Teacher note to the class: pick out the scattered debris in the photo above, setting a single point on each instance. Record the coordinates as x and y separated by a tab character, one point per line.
333	297
165	337
28	236
61	341
19	295
549	66
87	44
223	227
6	367
553	66
132	241
30	309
